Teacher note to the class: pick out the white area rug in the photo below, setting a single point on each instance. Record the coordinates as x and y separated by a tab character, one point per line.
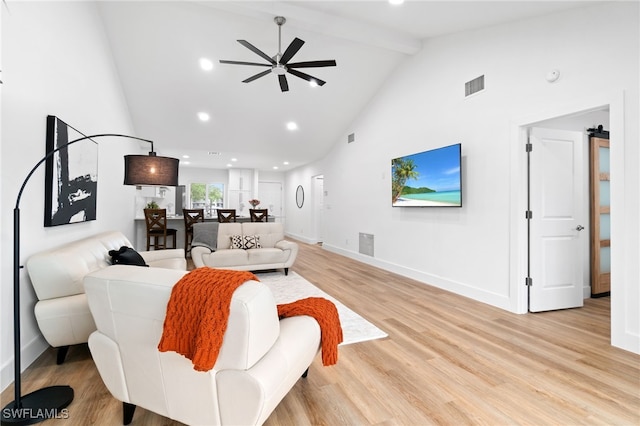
290	288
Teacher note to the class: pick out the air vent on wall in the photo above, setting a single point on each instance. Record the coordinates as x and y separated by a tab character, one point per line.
366	244
474	86
351	138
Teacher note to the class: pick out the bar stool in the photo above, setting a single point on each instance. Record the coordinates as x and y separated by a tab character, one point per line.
190	216
259	215
156	220
226	215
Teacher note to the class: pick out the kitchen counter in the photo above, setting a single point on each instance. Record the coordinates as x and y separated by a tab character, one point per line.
175	222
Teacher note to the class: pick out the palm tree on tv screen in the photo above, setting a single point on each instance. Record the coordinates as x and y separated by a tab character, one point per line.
403	170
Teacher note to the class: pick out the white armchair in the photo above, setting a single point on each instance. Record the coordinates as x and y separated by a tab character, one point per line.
260	359
62	311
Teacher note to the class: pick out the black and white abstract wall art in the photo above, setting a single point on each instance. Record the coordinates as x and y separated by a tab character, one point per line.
71	176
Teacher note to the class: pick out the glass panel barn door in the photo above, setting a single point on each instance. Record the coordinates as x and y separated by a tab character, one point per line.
600	217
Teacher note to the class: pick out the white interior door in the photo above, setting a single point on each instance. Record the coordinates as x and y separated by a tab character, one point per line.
270	196
556	176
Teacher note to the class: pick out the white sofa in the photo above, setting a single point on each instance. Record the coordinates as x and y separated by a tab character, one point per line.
275	251
261	358
62	311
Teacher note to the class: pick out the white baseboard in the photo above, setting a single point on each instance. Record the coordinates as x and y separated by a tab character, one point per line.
302	238
462	289
29	354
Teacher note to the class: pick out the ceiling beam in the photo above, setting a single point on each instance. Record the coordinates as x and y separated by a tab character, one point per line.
322	23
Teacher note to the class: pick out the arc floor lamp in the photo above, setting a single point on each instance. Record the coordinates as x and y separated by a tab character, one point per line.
48	402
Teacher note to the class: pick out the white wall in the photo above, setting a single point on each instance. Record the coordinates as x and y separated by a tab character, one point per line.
55	61
4	294
469	250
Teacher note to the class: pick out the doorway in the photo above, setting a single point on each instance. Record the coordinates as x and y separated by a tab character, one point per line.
270	196
317	183
613	102
558	234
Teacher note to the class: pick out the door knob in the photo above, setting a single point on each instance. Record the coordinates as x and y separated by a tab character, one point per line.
579	228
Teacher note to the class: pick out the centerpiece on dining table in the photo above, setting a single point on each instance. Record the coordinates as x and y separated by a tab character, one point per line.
254	203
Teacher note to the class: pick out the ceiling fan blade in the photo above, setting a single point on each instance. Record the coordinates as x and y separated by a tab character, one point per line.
257	76
306	77
257	51
284	86
312	64
293	48
222	61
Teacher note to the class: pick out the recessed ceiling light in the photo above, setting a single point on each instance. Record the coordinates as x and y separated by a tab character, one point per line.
206	64
229	165
292	125
234	159
396	2
203	116
185	162
313	83
275	167
185	156
286	163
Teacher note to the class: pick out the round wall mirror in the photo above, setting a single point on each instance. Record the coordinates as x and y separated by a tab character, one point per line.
299	196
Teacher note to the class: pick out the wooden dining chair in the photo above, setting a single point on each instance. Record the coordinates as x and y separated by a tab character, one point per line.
190	216
226	215
259	215
156	220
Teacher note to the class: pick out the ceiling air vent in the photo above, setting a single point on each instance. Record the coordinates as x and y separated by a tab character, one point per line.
474	86
351	138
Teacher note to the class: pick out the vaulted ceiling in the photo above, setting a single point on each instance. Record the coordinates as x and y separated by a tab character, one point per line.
157	48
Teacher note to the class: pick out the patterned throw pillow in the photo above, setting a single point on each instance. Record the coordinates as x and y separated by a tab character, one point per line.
250	242
236	242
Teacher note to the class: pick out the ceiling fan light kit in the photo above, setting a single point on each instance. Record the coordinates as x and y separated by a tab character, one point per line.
279	64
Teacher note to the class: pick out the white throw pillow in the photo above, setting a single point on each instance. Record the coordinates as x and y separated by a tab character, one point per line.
236	242
250	242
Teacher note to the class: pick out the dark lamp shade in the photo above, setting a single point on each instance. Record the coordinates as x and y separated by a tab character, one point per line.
150	170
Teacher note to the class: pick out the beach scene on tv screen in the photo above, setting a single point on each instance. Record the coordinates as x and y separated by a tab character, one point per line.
427	179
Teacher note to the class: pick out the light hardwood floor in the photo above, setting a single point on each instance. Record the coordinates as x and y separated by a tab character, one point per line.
448	360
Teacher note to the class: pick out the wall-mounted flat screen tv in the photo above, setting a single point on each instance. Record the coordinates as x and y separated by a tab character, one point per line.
428	179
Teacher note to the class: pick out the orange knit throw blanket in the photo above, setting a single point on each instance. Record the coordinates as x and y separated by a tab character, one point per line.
198	312
325	312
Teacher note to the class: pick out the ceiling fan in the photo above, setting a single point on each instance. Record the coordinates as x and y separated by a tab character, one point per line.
279	64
